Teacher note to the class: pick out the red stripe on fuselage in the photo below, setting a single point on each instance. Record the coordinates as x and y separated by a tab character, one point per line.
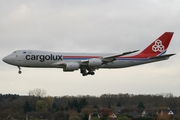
81	56
136	56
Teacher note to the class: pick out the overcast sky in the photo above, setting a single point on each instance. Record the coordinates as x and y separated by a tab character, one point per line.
89	26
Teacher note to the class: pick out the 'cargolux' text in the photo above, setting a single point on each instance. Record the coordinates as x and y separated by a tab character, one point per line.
42	58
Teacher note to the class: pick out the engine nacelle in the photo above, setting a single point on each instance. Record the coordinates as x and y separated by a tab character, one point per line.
71	67
95	62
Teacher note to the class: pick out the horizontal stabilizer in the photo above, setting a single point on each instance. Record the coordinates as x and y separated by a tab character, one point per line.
163	56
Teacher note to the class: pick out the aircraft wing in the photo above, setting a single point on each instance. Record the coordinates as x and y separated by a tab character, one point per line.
113	57
109	58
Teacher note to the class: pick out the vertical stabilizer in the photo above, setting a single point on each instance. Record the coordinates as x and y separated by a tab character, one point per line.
159	46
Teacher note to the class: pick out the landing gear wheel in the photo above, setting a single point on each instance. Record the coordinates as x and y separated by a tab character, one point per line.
84	74
19	70
92	73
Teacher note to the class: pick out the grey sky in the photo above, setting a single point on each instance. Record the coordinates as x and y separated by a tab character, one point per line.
89	26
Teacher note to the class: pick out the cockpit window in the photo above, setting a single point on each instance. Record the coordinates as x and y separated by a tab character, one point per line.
14	52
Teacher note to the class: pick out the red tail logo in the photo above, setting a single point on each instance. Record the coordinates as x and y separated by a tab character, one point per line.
159	46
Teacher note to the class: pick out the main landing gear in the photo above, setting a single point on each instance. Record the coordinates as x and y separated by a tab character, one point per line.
85	72
19	70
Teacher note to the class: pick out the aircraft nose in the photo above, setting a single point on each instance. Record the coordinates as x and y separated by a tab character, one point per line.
7	59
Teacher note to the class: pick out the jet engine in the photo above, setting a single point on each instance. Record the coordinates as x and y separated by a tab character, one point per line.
71	67
95	62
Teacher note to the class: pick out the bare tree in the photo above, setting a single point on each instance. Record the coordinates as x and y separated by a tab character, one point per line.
37	92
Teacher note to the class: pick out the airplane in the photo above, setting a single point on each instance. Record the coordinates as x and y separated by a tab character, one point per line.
89	62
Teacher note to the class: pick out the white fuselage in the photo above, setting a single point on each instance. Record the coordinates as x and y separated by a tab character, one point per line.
44	59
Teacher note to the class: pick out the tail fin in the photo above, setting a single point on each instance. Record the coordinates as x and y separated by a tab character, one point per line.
159	46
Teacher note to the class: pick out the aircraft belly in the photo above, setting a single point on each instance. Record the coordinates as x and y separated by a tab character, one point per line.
45	64
125	63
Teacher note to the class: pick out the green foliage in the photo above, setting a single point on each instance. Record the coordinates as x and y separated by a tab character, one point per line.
61	106
109	105
61	115
82	103
86	117
74	117
54	106
95	118
49	100
141	105
78	105
142	119
95	106
105	116
27	107
118	104
74	104
41	105
123	118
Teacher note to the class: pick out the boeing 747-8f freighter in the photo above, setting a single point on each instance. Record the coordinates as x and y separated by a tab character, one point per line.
89	62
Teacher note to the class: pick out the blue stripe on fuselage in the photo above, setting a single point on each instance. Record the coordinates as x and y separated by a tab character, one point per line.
162	53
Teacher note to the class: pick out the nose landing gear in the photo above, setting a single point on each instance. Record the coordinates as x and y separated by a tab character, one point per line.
19	70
